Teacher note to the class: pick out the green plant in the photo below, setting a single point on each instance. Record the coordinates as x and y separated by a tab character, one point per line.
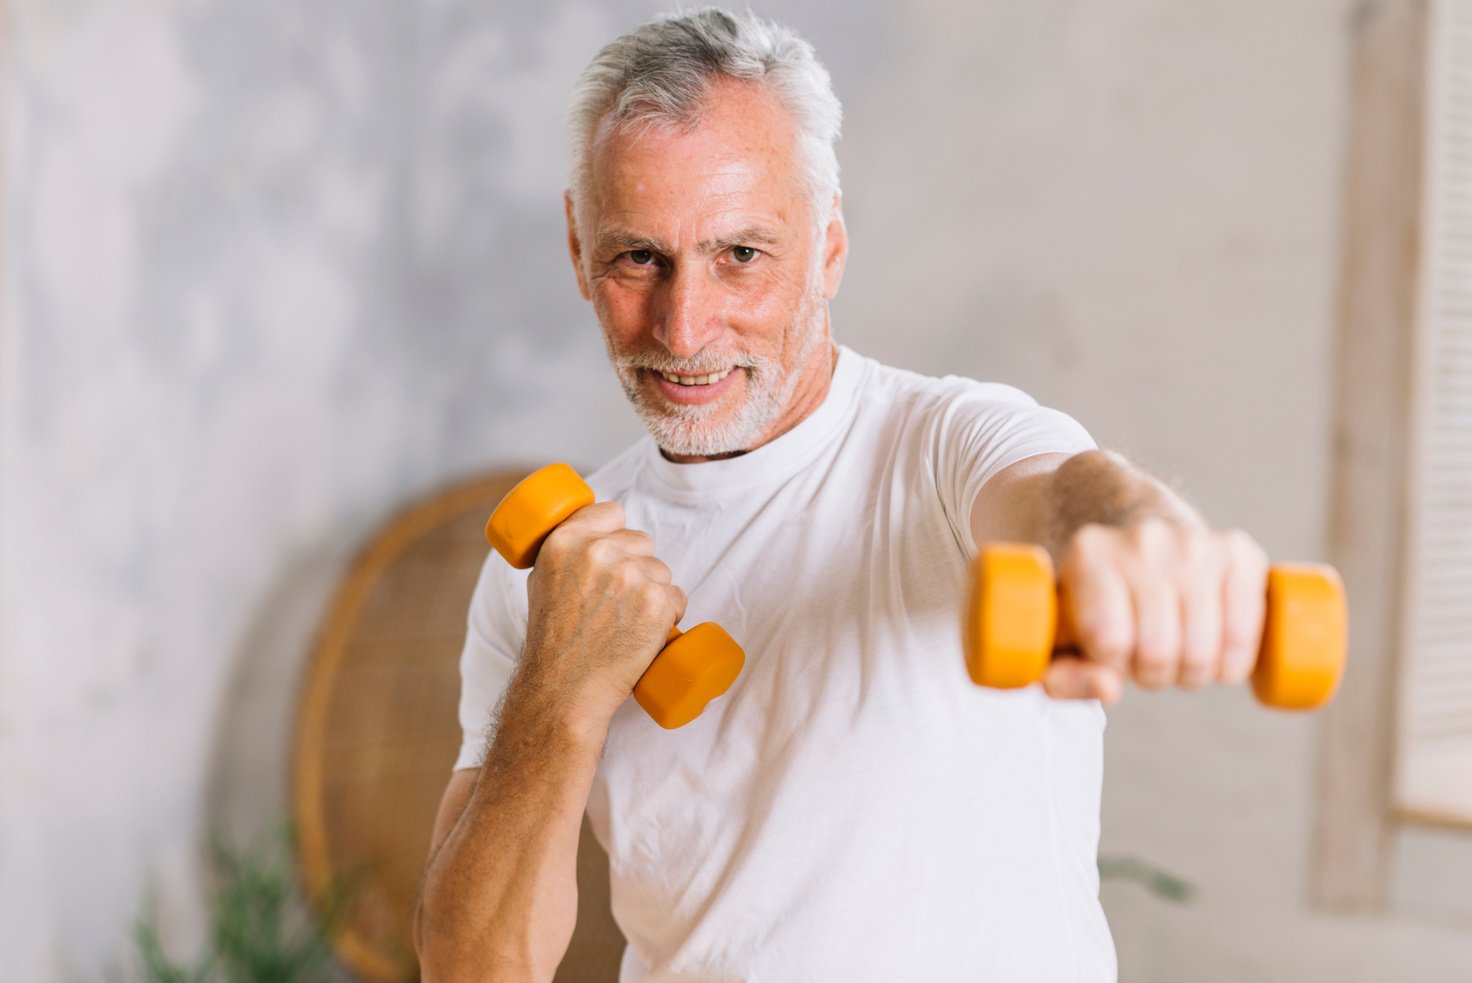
1153	879
259	930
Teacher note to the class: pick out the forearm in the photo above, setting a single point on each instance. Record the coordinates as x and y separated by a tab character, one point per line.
1101	488
499	900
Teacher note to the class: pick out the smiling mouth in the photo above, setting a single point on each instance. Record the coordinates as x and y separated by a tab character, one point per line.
695	380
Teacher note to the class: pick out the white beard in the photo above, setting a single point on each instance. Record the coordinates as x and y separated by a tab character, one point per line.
688	430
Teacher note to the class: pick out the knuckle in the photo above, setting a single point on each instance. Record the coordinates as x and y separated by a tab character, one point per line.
1242	546
1092	537
1151	534
653	598
1150	549
554	547
1088	546
602	552
1199	548
626	576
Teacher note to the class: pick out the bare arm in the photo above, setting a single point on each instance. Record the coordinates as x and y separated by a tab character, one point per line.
499	900
500	890
1048	498
1154	594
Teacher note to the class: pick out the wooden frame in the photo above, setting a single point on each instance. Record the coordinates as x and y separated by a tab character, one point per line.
7	57
1380	283
377	732
375	943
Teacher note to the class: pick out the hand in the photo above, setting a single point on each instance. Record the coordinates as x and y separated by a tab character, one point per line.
600	608
1160	603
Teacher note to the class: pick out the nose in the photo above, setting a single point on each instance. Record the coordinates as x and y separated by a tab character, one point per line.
689	315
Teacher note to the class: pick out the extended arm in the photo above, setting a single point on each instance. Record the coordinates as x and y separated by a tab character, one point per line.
1155	595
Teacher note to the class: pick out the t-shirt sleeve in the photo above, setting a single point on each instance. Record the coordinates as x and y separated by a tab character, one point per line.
985	427
494	632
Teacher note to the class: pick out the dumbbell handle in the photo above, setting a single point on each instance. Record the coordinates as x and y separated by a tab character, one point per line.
683	677
1015	622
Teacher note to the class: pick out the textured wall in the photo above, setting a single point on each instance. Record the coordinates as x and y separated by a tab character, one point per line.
272	269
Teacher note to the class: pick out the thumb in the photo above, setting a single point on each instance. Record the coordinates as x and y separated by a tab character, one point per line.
1071	678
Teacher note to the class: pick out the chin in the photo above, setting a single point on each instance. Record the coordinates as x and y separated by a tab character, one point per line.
731	425
718	428
702	437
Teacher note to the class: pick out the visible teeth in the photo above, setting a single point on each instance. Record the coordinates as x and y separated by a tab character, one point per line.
695	380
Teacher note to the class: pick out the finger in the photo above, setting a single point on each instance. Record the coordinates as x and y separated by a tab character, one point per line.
634	542
1070	678
1157	630
1201	626
591	522
654	570
1098	600
659	604
599	517
1244	606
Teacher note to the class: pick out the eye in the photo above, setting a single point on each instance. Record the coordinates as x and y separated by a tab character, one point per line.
640	257
743	254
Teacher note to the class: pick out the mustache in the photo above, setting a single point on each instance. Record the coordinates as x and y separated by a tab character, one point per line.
706	365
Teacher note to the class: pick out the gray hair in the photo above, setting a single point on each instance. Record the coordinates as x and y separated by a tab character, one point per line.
658	74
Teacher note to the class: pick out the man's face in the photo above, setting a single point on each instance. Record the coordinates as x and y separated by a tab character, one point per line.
701	259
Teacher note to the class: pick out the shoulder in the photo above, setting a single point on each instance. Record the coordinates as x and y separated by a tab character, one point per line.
916	391
955	417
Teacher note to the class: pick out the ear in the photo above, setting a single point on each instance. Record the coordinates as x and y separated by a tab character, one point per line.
575	245
835	249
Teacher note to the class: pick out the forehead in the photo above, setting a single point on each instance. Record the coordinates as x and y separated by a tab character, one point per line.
740	156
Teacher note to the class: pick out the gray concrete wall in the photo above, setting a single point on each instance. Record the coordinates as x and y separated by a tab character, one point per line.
270	270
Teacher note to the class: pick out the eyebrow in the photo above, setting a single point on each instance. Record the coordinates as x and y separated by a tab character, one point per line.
621	239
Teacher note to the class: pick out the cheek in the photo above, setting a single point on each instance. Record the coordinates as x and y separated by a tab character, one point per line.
777	307
621	310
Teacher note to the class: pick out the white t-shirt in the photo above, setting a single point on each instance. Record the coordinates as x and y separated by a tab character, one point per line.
854	808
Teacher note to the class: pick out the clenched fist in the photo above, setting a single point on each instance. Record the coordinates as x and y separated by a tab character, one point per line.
600	608
1160	603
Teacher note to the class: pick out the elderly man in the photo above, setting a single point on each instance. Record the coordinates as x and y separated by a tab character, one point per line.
853	809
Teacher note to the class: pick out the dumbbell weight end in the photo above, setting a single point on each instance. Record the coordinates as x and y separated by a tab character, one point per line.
695	667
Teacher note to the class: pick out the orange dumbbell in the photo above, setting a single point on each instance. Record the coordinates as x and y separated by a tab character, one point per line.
694	667
1014	624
